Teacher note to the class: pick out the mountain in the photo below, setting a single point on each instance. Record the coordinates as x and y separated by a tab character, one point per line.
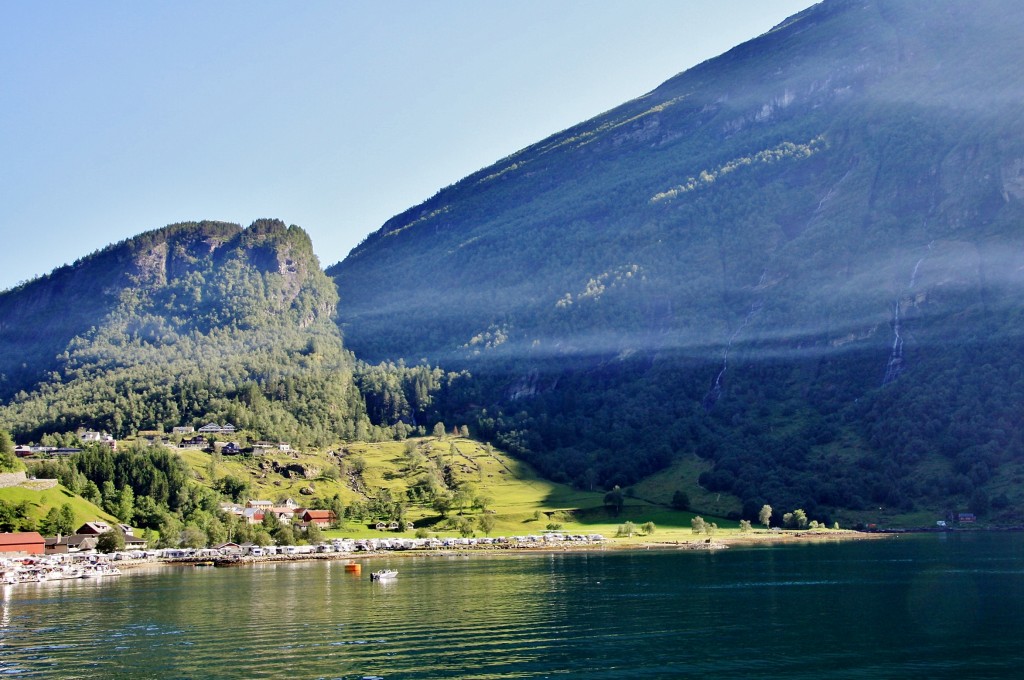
800	261
182	325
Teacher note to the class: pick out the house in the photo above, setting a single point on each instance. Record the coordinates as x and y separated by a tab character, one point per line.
230	549
183	429
81	543
93	528
285	515
96	528
393	525
966	517
231	447
321	518
260	505
98	438
59	545
214	428
23	542
197	442
135	543
55	545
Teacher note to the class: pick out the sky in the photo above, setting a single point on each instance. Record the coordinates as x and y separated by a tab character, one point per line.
121	117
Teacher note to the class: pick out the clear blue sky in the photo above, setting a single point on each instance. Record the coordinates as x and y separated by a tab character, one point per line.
120	117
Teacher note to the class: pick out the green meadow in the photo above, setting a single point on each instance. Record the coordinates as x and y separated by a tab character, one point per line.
516	498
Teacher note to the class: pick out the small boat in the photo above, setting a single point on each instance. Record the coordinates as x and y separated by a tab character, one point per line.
383	574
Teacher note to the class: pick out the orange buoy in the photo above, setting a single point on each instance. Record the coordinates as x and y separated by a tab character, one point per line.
354	568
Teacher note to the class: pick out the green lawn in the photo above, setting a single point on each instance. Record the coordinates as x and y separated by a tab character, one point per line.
40	503
682	476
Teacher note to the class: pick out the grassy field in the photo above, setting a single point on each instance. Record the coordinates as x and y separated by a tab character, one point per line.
40	503
682	476
520	502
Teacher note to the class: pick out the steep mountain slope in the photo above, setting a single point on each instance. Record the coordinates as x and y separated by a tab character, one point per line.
800	260
182	325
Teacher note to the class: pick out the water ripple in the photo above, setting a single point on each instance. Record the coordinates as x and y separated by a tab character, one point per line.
752	614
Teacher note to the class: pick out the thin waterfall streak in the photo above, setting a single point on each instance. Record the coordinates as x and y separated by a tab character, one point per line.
716	387
894	366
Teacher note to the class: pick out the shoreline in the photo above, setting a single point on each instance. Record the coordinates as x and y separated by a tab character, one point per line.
767	539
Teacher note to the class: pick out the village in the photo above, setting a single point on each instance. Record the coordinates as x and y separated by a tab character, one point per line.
28	557
180	437
63	556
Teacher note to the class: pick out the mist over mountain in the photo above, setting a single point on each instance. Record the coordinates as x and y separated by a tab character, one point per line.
801	261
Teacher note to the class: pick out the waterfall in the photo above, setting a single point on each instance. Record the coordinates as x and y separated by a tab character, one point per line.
894	366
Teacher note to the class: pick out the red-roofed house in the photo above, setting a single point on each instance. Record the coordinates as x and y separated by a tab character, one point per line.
28	542
322	518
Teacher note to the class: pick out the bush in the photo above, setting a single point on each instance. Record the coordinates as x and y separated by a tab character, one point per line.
627	529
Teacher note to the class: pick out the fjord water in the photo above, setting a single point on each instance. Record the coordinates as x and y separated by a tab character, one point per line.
950	605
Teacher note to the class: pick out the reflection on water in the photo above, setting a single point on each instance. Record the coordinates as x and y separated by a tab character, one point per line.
908	607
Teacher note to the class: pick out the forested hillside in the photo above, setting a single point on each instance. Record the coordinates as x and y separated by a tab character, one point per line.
192	323
801	261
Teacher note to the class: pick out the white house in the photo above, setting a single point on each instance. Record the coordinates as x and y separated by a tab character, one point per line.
214	428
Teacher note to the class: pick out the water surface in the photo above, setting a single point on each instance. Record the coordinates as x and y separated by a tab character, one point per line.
913	606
